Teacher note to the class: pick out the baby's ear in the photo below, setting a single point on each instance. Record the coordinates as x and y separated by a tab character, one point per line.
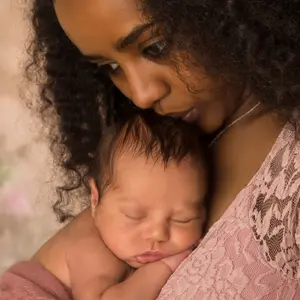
94	195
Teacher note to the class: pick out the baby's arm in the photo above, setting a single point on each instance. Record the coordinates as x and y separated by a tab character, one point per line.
93	268
146	282
93	278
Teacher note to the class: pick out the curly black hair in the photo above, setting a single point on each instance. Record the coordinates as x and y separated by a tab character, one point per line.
79	97
256	41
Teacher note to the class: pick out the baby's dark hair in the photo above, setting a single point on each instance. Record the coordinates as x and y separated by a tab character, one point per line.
162	139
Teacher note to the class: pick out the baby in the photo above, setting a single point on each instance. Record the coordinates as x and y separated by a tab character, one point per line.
146	213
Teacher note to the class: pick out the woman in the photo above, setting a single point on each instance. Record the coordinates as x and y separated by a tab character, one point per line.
231	66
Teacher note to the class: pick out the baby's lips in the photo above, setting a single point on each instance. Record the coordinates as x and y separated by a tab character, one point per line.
149	257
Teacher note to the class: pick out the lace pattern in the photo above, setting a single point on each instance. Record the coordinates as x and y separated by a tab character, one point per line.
252	252
275	215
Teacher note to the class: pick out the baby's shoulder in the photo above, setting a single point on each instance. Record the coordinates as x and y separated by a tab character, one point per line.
87	250
92	266
77	253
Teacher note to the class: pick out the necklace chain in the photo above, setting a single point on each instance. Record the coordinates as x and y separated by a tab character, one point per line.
233	123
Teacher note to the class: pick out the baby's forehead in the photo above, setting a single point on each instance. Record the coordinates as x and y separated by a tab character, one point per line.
147	198
140	173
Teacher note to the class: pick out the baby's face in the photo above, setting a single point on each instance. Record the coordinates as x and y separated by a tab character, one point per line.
151	211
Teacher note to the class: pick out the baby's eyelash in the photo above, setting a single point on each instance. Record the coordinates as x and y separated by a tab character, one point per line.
135	218
184	221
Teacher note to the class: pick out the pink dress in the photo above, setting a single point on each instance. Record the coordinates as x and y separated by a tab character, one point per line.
253	251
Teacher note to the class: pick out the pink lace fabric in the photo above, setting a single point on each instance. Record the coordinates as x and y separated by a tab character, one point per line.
253	251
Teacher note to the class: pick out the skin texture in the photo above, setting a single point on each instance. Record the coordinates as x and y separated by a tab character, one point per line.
148	80
132	218
153	83
229	55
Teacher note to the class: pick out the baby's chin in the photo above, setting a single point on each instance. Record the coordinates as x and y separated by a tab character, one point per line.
134	264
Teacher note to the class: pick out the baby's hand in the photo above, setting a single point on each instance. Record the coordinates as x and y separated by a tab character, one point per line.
174	261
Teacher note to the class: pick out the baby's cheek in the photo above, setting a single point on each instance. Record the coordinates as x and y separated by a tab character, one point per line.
188	237
123	241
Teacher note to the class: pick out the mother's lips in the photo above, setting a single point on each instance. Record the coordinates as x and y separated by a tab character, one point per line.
179	115
189	116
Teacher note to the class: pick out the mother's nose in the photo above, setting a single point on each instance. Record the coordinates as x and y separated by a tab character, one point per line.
146	89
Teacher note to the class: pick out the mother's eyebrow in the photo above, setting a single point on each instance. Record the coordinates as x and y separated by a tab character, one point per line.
95	57
133	35
122	43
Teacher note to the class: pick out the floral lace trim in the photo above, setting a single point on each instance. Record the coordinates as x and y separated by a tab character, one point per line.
274	216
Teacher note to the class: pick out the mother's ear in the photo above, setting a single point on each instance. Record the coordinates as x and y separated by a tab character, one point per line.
94	195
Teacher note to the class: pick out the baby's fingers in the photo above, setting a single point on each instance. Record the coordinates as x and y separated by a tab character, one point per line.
175	260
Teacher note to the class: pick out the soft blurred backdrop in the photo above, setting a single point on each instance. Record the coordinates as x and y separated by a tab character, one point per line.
26	188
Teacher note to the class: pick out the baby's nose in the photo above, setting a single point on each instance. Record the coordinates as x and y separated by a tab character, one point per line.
159	232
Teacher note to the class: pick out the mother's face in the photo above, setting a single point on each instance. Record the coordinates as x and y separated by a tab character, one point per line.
116	37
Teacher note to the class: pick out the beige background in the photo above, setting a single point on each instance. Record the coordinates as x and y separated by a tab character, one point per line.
26	192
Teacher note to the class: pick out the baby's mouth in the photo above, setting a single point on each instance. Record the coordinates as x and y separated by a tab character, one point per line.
150	256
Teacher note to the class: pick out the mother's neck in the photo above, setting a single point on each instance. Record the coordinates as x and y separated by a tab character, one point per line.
238	155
